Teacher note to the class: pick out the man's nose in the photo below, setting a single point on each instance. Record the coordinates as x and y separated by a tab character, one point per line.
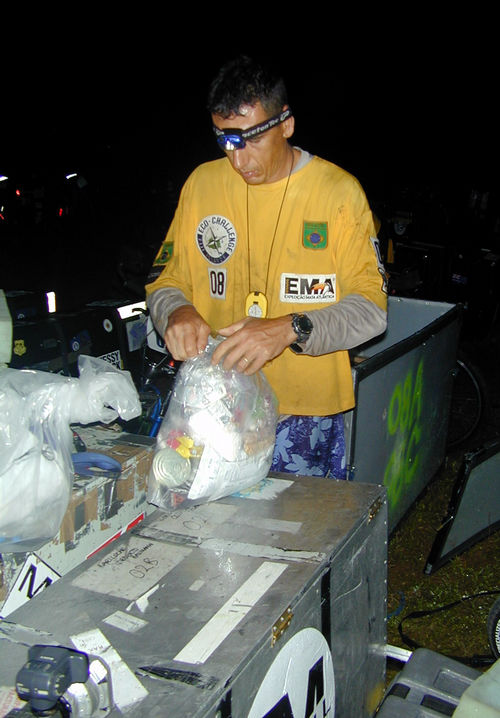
238	158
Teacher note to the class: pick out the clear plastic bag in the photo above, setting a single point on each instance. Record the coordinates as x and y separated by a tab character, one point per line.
36	469
217	436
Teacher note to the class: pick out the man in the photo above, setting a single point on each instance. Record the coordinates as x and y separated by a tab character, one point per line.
273	250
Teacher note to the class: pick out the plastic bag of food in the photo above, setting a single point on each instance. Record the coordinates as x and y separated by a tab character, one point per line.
36	469
217	436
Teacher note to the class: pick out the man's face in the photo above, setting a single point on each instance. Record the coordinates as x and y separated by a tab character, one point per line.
265	158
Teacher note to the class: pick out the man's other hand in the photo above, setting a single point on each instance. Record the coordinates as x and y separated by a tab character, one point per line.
251	343
187	333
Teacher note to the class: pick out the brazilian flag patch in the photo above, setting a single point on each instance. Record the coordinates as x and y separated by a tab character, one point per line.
315	235
164	254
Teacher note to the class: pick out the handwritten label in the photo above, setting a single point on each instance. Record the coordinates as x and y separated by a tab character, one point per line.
131	569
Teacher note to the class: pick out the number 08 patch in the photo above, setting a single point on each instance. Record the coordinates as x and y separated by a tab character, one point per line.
217	279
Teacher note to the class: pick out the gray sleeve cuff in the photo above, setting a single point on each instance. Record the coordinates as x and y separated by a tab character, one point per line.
345	325
161	303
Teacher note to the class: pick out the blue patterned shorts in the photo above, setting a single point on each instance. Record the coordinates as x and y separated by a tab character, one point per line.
311	446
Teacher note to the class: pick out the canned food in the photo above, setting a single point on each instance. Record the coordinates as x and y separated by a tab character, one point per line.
170	468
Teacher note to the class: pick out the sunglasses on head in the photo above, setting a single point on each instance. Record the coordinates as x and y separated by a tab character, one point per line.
229	139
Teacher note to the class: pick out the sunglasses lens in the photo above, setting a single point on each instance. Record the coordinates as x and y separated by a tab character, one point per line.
231	142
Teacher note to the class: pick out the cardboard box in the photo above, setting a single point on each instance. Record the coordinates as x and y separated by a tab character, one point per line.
100	510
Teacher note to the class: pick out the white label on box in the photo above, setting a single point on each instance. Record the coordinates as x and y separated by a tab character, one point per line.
125	622
274	553
213	633
266	489
131	569
273	525
127	689
34	576
199	521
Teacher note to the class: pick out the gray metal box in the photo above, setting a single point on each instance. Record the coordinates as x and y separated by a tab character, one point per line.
396	435
268	603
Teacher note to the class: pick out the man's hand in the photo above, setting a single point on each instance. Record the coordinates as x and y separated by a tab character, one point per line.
187	333
252	342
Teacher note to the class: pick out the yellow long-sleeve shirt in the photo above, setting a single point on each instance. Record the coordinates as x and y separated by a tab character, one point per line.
223	248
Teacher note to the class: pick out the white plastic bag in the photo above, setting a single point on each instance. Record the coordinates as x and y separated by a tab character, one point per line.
36	470
217	436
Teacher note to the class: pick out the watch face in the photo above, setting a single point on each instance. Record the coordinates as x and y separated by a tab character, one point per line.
302	326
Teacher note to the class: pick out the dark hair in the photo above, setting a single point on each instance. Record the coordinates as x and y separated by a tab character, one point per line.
244	81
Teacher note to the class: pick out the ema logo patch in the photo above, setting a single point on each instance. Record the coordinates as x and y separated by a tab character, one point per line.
300	682
216	238
310	288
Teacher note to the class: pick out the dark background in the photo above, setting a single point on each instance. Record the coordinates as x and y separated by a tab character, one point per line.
408	105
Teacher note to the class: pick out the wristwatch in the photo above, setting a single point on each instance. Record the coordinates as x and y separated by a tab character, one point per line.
302	326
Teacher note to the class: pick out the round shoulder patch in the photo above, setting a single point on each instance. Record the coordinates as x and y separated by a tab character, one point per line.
216	238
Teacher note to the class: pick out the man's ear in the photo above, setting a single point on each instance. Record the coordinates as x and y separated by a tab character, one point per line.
288	127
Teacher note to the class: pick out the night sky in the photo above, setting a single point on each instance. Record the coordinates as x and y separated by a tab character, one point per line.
127	111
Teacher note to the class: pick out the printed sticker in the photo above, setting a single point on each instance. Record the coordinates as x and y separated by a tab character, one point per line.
19	347
33	578
217	279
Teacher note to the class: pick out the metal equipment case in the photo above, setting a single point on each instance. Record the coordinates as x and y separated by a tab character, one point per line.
268	603
403	381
